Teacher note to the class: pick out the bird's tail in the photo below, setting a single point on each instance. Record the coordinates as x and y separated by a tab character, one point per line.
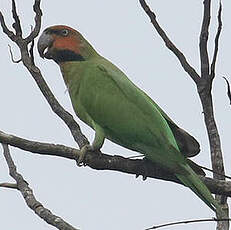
192	181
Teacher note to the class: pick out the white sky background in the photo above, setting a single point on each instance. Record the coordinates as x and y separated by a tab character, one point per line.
120	31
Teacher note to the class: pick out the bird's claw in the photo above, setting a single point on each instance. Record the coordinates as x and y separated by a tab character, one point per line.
143	169
82	155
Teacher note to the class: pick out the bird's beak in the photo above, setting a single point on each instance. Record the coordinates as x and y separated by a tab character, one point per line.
44	44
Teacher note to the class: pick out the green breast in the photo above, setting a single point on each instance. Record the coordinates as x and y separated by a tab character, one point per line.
73	73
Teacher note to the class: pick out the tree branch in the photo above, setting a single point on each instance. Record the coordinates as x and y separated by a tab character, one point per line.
109	162
5	30
213	65
187	222
9	185
29	197
38	14
204	39
228	90
170	45
204	89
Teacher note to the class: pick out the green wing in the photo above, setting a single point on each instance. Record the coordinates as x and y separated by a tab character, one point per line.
127	116
187	144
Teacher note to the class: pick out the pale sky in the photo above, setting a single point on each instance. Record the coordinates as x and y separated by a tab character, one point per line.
120	31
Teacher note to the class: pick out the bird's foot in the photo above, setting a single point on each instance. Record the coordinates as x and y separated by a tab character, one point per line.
143	169
82	154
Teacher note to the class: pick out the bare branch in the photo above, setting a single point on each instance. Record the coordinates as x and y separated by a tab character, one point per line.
38	15
170	45
12	56
204	39
9	185
188	222
5	29
16	24
109	162
57	108
213	65
38	147
29	197
210	170
31	51
204	89
228	90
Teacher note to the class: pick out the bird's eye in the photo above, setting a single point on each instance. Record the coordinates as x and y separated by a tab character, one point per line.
65	32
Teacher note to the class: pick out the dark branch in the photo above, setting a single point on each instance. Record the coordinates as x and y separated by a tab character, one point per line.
213	65
29	197
210	170
38	147
38	15
31	51
228	90
188	222
108	162
204	89
16	25
204	39
9	185
57	108
5	29
187	67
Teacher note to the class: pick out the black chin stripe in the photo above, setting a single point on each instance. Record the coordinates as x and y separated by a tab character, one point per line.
66	55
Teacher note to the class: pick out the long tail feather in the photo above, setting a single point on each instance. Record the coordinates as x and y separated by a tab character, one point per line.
199	188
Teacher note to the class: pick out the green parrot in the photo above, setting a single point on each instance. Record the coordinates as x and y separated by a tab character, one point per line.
106	100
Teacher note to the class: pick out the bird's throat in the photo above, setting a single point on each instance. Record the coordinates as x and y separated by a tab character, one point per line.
61	56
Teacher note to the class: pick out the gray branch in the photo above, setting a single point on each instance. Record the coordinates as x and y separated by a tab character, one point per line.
29	197
108	162
170	45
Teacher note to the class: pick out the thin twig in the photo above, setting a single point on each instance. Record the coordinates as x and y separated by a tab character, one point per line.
57	108
5	29
9	185
213	65
187	67
12	57
210	170
228	90
38	18
188	222
29	197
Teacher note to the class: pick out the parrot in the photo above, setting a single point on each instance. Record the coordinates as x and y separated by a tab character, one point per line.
105	99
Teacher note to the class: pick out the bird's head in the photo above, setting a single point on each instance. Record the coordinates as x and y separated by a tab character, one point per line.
62	44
